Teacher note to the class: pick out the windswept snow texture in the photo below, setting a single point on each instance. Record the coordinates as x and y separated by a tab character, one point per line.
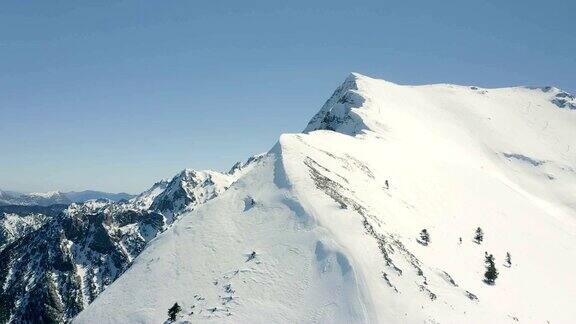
332	234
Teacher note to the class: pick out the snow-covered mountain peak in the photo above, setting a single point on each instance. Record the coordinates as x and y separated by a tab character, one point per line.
391	207
337	113
362	104
188	189
145	199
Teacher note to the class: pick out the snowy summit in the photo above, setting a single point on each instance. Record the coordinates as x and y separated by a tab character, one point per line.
397	204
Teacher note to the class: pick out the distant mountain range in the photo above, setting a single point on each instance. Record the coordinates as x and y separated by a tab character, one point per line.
57	197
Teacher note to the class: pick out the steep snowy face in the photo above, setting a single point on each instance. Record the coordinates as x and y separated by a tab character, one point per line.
526	132
242	251
398	204
338	113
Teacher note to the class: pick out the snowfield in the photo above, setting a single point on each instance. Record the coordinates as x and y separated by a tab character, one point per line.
325	226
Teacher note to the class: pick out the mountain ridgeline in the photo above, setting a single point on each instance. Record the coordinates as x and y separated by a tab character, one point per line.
397	204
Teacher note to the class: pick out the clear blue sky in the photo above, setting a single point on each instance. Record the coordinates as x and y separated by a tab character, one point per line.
116	95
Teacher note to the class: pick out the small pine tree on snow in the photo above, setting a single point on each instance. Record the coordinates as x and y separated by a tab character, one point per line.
424	237
251	256
479	236
491	273
508	262
173	311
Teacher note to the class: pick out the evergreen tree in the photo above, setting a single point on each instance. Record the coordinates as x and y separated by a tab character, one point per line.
479	236
251	256
491	273
173	311
424	237
508	263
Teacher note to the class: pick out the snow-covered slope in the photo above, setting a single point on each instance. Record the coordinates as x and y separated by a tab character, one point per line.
52	265
326	226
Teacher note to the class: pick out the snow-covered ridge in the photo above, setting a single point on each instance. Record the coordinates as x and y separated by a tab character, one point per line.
329	225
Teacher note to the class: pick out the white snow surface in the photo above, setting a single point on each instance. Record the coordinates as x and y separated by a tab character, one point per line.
333	216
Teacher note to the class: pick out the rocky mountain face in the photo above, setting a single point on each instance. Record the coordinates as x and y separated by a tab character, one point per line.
189	189
397	204
55	260
18	221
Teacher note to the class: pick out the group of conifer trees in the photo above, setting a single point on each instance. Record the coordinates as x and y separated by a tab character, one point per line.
491	273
